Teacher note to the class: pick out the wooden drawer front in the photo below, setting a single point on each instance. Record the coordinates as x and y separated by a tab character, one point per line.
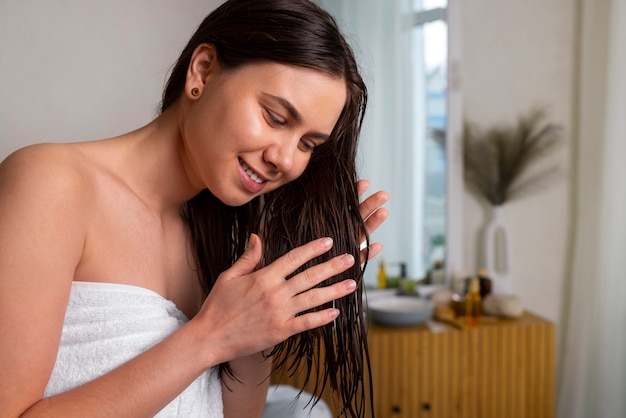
505	369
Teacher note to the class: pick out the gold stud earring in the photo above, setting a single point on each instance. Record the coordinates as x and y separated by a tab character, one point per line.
195	92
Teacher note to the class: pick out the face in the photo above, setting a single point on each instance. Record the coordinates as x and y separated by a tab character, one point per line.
254	129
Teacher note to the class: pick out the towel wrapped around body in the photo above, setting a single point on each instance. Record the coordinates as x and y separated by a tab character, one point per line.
108	324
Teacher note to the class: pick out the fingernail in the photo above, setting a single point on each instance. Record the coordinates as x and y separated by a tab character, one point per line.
327	242
250	243
350	285
333	313
347	260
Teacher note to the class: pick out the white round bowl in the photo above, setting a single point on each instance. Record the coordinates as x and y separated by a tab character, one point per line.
400	311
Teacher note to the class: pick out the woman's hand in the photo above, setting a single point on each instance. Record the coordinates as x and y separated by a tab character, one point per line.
374	215
251	310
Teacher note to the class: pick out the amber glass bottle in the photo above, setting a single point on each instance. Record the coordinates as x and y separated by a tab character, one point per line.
382	275
473	304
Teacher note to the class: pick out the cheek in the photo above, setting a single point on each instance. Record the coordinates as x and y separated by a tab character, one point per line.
301	163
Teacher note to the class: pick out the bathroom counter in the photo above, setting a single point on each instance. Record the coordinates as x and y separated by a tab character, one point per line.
504	368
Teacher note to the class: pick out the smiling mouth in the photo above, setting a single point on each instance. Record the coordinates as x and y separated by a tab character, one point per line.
251	173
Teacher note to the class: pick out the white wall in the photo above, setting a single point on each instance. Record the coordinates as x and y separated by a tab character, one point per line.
517	54
78	70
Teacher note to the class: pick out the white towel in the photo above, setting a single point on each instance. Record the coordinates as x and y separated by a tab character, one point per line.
108	324
284	401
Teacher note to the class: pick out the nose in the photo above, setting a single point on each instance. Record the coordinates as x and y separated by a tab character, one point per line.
280	154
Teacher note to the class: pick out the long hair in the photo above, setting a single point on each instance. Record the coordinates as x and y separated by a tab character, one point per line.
323	201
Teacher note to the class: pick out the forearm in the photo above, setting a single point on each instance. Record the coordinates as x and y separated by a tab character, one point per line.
139	388
244	395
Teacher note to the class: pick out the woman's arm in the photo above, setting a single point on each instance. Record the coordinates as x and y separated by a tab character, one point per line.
41	240
245	395
139	388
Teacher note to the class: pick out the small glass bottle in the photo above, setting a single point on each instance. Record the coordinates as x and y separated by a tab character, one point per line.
382	275
483	280
473	304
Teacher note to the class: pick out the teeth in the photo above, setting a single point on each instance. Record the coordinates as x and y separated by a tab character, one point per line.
254	177
251	173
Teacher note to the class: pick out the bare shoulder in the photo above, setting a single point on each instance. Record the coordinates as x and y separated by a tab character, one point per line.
46	176
44	206
43	165
44	201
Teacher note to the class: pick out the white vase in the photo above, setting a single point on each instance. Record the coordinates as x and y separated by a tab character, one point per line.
497	251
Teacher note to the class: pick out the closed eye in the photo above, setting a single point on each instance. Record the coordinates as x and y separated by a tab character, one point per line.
274	119
307	145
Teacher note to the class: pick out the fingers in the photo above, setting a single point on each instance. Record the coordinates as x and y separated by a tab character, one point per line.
307	296
317	297
371	209
312	320
376	219
294	259
374	250
372	204
315	275
249	259
321	295
361	186
372	222
301	292
373	214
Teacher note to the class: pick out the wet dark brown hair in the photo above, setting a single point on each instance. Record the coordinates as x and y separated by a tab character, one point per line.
323	201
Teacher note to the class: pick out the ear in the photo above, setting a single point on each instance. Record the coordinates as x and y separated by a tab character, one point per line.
203	63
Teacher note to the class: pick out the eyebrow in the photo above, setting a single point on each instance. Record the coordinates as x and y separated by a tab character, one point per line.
293	112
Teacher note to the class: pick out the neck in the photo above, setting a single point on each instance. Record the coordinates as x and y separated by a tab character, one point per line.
154	164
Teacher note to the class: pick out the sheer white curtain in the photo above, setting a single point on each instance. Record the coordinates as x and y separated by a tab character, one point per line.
379	32
593	351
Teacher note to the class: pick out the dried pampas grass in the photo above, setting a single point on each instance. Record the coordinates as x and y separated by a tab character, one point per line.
496	160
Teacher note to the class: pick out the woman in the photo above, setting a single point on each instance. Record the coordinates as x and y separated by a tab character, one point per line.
146	274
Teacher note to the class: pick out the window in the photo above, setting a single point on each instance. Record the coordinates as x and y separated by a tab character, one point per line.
429	39
403	50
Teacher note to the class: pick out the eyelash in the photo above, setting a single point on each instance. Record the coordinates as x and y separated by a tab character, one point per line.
273	120
307	146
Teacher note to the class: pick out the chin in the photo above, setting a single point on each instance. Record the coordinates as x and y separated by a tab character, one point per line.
235	202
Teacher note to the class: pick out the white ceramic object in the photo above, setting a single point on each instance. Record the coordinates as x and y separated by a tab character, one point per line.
400	311
508	306
497	251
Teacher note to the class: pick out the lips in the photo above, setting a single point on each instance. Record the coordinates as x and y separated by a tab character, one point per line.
254	176
251	180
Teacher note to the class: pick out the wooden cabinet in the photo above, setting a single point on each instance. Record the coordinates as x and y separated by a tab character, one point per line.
502	369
